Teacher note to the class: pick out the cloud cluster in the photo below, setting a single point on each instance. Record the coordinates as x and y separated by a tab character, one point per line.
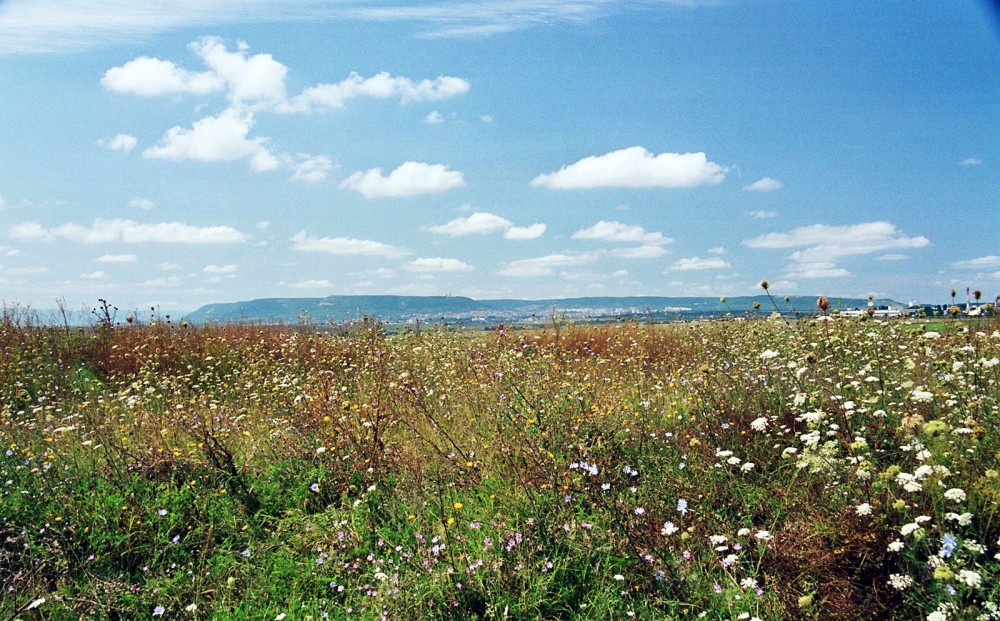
823	246
254	84
634	167
482	223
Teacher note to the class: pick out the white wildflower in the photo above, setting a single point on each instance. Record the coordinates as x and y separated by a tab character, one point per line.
955	495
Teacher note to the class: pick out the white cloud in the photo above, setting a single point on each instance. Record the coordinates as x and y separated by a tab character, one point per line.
485	118
220	269
3	203
119	142
971	161
169	267
117	258
815	269
892	257
760	214
152	77
410	179
478	223
436	264
312	284
617	232
98	275
978	263
344	245
254	83
130	232
482	223
696	263
256	80
635	167
546	265
312	168
214	139
717	250
525	232
824	245
380	86
647	251
143	204
765	184
433	118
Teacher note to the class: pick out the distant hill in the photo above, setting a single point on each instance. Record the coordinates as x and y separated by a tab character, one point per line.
405	308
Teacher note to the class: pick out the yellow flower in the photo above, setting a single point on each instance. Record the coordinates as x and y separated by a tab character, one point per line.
458	506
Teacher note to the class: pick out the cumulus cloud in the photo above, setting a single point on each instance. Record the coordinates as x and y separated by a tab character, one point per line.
433	118
689	264
409	179
436	265
143	204
717	250
971	161
129	232
612	231
823	245
635	167
482	223
253	84
546	265
117	258
761	214
211	139
985	262
98	275
152	77
344	246
119	142
765	184
525	232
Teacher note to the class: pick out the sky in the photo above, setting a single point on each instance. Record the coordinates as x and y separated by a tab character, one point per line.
174	154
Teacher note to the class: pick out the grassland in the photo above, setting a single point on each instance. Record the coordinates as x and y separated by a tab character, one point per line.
762	469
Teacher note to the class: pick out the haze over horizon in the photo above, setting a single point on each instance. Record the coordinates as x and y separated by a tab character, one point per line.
215	151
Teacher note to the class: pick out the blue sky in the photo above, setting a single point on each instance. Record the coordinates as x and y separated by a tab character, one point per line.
216	150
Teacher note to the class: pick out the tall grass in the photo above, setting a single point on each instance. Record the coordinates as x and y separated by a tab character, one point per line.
737	470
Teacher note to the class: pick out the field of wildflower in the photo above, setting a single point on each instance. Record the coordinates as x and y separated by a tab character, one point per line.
743	469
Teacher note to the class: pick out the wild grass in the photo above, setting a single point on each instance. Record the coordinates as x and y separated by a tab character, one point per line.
814	469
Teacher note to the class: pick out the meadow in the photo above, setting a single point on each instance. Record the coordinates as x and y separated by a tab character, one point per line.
746	469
